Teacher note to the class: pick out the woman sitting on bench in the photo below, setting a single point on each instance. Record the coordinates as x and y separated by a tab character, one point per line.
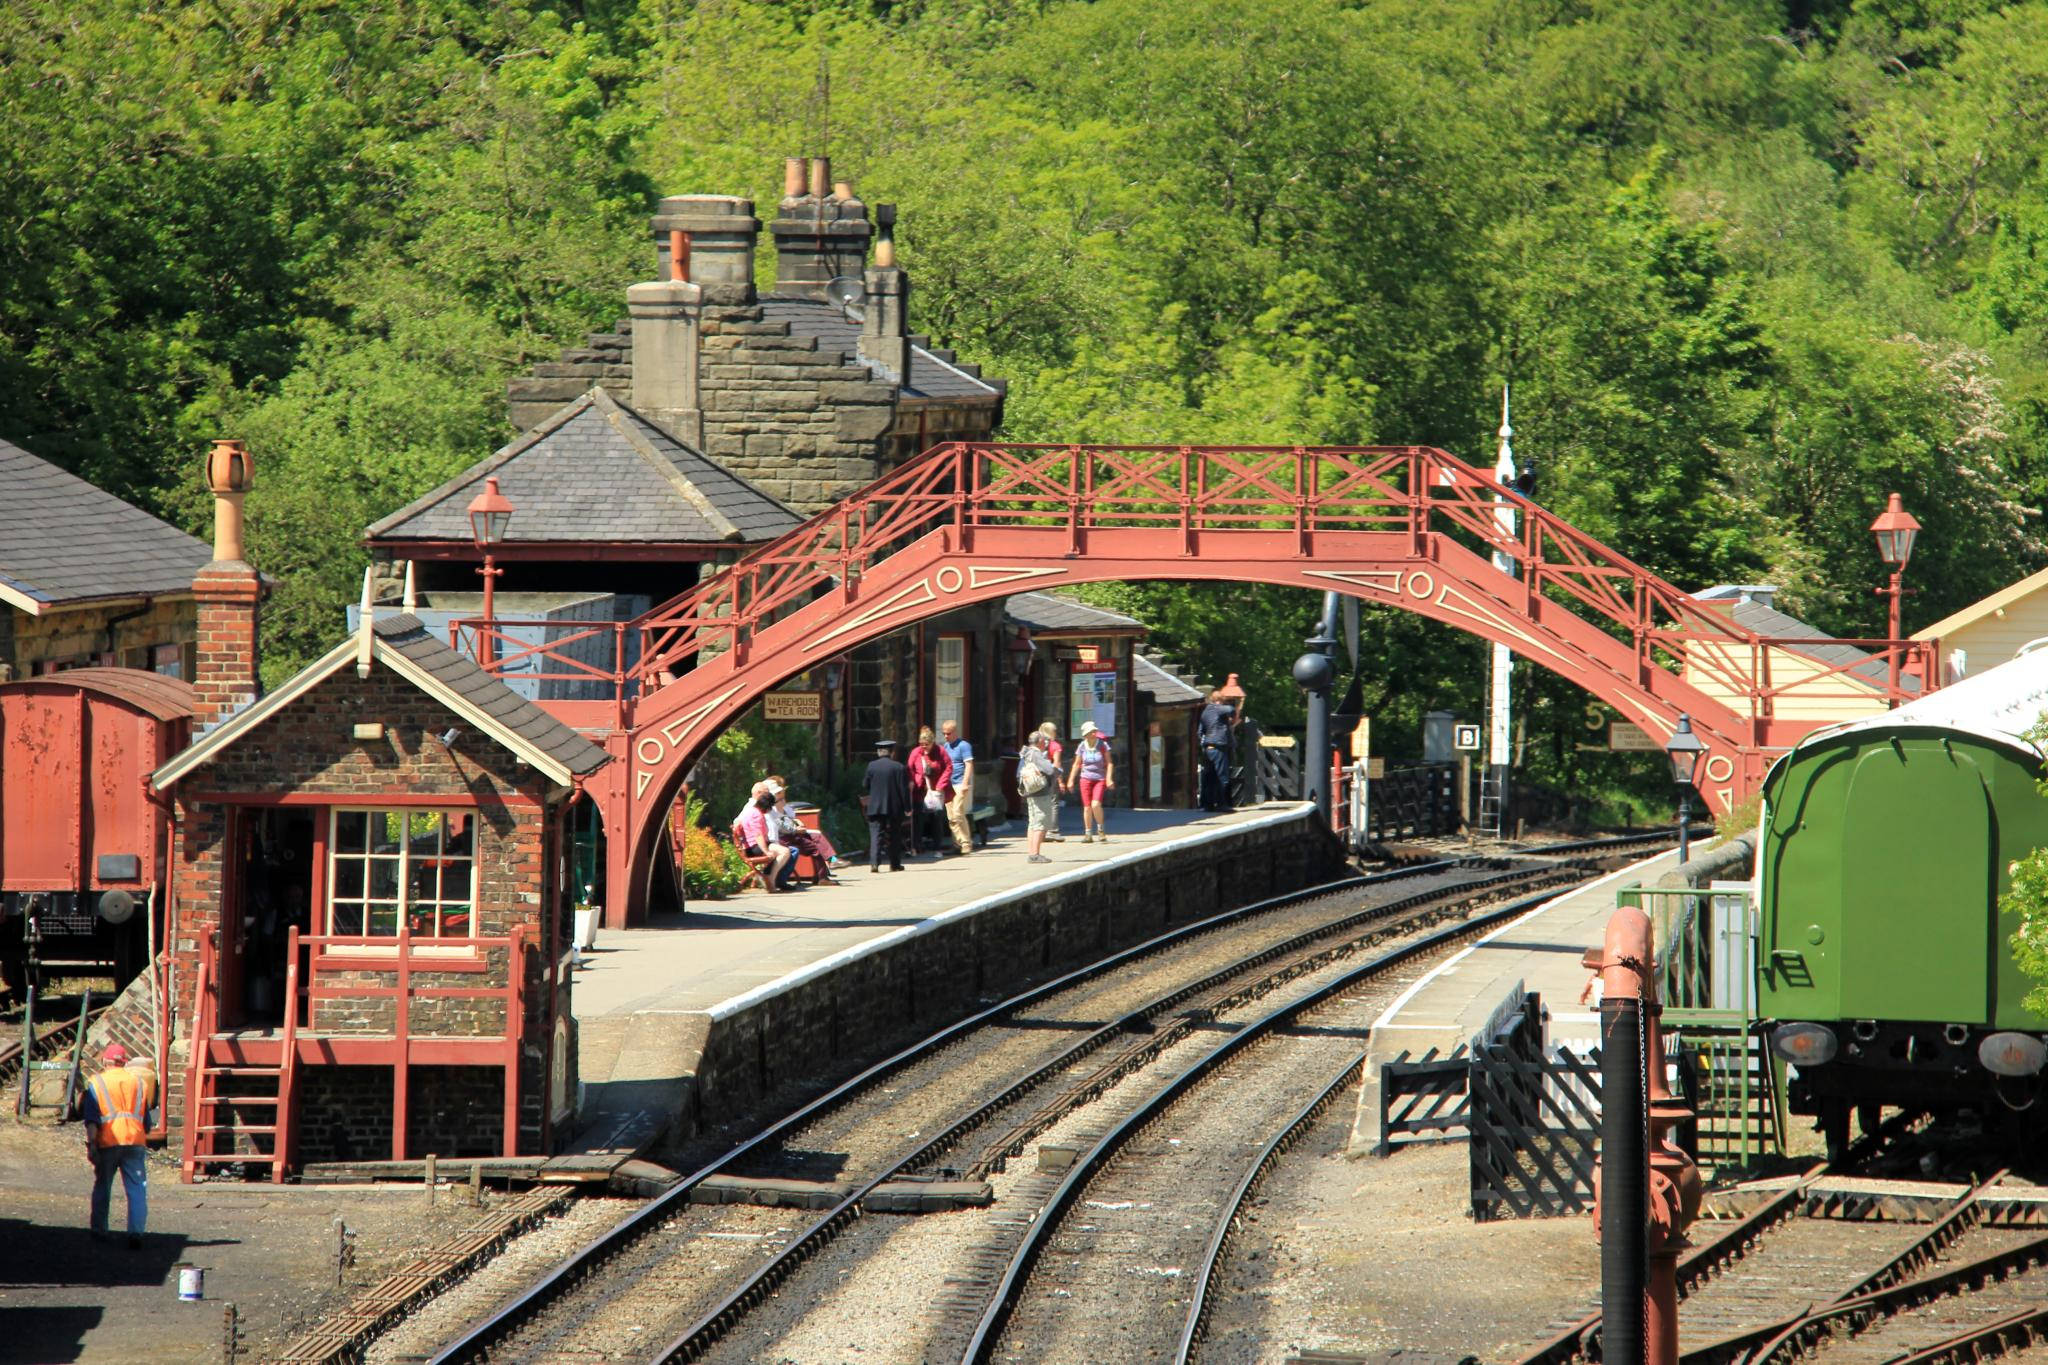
791	832
757	841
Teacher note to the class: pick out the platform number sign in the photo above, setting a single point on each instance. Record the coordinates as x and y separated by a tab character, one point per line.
1465	737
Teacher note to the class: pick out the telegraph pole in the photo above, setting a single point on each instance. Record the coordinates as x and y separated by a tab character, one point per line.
1499	701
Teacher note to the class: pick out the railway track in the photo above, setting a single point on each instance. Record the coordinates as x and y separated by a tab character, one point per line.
1789	1283
1093	1275
52	1039
905	1117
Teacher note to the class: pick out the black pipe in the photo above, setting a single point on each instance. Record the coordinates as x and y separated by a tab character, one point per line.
1624	1185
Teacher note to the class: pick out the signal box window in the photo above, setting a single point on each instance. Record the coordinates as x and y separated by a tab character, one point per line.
388	867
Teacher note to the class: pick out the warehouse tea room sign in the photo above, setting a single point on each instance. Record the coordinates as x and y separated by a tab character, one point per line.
803	707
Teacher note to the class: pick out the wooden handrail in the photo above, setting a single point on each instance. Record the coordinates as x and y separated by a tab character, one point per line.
203	1017
288	1064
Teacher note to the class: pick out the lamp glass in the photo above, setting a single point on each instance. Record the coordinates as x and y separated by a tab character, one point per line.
1686	754
1896	547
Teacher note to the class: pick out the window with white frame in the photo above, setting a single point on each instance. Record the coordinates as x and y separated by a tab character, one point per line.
416	867
949	682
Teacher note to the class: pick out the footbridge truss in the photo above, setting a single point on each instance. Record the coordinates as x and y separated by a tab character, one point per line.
1407	527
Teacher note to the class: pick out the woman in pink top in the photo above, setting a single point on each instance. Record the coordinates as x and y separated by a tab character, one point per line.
1092	774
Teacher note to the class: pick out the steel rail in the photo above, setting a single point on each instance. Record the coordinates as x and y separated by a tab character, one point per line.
477	1342
1091	1163
2021	1330
712	1326
1219	1240
1724	1248
1791	1336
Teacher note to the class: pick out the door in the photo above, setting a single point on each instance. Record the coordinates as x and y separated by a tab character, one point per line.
1918	871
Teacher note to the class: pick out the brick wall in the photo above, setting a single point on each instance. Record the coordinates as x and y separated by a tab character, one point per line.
345	1113
454	1110
798	1041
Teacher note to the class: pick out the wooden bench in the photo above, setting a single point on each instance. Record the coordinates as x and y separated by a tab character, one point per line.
981	819
757	863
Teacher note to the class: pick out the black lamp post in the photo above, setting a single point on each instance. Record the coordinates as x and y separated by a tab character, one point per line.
1895	530
1686	754
489	513
1313	673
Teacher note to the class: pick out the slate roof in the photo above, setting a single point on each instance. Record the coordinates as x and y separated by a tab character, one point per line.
933	374
465	680
65	540
1165	687
401	643
1769	621
598	470
1043	611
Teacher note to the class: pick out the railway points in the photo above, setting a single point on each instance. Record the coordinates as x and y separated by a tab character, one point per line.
730	1236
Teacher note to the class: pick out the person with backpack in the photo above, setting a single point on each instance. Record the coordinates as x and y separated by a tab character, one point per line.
1056	749
1037	778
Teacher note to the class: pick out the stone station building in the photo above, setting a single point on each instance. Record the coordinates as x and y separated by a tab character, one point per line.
87	580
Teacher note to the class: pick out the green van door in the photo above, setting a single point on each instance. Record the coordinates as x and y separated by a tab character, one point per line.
1919	868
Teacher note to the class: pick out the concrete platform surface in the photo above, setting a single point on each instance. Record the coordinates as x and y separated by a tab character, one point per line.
644	996
1539	952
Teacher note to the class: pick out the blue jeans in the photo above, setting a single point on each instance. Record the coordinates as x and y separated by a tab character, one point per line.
134	1172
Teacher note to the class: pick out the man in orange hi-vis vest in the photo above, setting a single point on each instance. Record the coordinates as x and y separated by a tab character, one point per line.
119	1110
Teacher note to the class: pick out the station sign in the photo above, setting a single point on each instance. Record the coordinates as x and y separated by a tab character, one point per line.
806	708
1465	737
1626	738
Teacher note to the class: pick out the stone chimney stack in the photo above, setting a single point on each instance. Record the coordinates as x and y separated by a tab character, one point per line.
229	594
820	229
704	254
885	322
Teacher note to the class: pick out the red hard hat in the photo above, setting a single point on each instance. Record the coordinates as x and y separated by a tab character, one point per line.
115	1054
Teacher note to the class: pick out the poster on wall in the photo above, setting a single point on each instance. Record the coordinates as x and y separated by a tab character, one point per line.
1091	695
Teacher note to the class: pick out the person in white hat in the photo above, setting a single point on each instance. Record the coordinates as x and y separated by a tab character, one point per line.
1092	775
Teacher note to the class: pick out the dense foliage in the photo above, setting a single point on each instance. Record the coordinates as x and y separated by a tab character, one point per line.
1748	265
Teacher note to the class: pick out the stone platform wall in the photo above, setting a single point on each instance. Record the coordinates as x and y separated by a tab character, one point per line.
793	1038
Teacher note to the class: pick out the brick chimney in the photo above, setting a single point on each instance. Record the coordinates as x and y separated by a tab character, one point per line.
704	254
820	230
884	325
229	593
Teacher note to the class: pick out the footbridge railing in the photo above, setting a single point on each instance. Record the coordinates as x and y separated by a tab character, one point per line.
1183	500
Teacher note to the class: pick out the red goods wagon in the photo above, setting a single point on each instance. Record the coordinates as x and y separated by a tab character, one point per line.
82	845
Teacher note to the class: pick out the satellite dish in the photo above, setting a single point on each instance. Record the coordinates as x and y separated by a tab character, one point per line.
116	906
850	292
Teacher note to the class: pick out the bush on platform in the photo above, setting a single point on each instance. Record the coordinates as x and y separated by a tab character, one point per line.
712	868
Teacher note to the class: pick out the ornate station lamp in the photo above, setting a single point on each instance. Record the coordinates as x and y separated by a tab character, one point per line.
490	512
1895	530
1686	754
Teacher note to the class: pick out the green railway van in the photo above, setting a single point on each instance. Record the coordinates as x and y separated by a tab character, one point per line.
1885	972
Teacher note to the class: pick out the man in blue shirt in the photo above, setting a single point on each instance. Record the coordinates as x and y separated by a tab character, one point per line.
962	754
1216	730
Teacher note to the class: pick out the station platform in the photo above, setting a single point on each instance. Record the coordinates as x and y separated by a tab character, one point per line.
647	1000
1536	953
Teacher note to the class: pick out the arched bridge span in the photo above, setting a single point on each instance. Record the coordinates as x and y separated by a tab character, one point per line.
1409	527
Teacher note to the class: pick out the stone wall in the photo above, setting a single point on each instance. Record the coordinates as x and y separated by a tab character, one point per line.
804	426
80	635
796	1037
